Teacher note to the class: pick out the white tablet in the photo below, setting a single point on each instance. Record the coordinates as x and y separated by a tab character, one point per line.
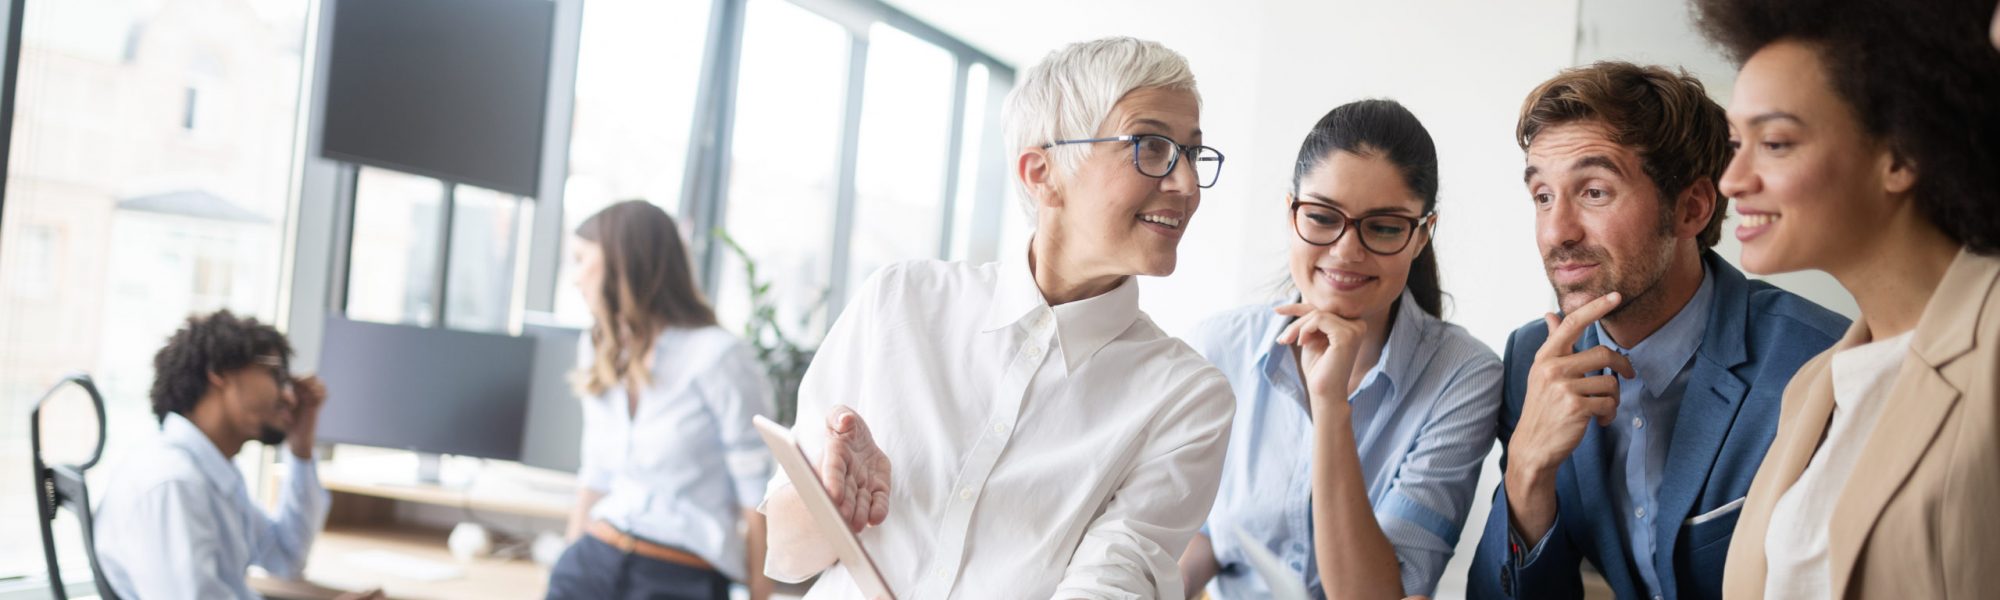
805	479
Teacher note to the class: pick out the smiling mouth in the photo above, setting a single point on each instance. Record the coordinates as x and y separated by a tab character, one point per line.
1758	219
1167	222
1345	281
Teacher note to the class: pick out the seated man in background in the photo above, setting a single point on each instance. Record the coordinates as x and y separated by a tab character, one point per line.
176	519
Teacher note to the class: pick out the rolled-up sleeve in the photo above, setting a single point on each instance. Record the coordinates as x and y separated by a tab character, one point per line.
286	540
1425	509
1133	548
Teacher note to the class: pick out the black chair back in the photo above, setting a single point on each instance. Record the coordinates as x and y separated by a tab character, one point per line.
61	487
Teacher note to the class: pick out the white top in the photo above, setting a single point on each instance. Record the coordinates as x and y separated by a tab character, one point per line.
1035	452
175	520
682	470
1795	545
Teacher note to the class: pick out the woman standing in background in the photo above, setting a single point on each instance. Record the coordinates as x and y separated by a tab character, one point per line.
672	469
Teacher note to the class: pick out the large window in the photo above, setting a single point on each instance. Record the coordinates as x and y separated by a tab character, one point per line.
638	64
784	174
399	222
843	163
150	178
393	265
157	158
905	132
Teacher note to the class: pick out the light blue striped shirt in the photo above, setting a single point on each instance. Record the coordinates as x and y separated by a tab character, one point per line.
1424	418
681	469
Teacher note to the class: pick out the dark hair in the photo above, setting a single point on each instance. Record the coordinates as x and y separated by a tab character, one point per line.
1681	135
216	343
648	286
1920	76
1383	128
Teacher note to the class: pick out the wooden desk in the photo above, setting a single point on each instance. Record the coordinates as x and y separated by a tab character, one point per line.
480	578
363	519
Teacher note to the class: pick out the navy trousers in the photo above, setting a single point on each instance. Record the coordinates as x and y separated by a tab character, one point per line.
591	569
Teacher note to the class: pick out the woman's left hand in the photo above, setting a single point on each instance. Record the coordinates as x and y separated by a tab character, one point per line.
1328	344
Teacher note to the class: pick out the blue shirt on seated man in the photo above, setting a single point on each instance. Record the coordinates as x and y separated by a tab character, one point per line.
1634	422
176	519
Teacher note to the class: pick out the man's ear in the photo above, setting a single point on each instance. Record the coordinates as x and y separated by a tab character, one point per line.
1695	208
1037	172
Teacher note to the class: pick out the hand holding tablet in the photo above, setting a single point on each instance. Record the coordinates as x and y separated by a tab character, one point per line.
857	472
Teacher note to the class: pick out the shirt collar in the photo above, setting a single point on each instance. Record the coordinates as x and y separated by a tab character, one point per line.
1659	358
1082	327
1393	366
181	433
1410	328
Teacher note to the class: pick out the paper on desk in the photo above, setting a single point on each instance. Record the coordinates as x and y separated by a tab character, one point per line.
1283	583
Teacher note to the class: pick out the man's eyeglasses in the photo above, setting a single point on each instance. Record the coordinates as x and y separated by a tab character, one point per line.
278	371
1322	225
1156	156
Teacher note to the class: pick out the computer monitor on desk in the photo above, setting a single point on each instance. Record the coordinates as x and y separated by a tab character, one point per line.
551	439
430	390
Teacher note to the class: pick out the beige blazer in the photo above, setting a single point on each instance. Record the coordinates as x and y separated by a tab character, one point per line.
1920	516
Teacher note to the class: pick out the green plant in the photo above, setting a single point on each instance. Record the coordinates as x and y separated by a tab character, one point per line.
784	358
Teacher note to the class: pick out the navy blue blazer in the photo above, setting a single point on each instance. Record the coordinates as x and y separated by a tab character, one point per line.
1757	336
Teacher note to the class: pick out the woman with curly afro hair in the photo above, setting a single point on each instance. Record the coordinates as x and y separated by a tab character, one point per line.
1868	147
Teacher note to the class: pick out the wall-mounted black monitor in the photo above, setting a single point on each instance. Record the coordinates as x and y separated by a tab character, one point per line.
452	89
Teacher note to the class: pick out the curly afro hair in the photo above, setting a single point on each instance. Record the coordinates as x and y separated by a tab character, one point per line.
1921	76
215	343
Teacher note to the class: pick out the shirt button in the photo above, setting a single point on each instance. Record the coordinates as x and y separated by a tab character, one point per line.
999	428
965	494
1638	423
943	573
1034	354
1641	512
1041	320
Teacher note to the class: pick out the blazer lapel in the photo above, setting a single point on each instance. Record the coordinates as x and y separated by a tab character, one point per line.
1708	408
1923	397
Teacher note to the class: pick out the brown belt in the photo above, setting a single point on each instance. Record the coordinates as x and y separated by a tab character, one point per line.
626	543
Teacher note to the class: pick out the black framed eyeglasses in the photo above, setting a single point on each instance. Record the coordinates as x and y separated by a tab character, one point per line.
278	371
1156	156
1322	225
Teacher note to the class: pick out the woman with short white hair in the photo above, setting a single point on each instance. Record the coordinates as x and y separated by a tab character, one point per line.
1022	429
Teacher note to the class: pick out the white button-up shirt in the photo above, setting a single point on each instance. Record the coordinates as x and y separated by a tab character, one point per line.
1064	452
682	469
1796	545
176	520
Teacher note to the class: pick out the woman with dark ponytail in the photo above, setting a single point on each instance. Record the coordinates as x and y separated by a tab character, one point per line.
1362	418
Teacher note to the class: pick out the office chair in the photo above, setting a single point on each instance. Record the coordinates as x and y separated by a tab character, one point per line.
62	487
